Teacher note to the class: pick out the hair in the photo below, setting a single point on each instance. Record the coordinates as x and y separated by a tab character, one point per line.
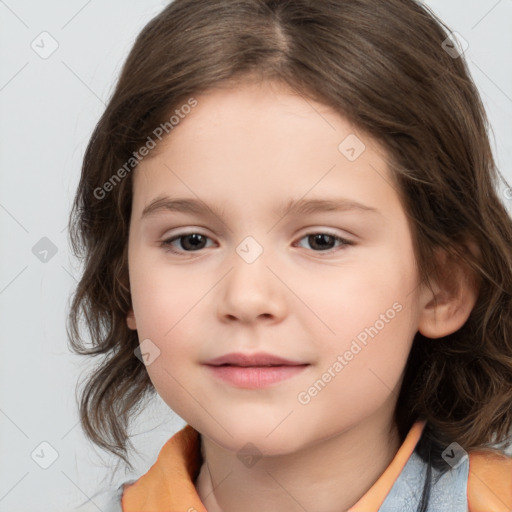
414	98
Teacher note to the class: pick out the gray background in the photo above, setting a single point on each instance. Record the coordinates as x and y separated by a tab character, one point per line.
49	107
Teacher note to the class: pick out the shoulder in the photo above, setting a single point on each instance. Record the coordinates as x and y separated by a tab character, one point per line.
489	482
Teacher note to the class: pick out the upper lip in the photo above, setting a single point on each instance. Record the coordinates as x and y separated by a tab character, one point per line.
258	359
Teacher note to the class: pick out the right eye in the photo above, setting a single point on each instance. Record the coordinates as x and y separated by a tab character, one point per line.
190	242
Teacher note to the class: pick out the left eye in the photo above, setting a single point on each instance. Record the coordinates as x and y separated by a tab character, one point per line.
192	242
322	240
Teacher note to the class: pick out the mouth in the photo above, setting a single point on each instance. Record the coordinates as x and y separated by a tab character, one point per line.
254	371
256	365
259	360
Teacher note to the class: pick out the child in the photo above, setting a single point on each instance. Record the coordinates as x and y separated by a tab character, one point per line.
373	374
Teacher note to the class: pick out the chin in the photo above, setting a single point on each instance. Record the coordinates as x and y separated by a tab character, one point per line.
248	438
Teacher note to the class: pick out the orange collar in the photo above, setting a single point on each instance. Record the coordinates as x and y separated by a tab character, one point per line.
375	496
168	486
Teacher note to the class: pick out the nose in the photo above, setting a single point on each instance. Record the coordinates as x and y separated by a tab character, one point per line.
251	292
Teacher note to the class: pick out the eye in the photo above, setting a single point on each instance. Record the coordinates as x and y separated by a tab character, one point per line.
190	242
194	242
323	241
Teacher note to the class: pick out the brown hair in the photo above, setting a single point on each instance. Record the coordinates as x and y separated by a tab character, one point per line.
382	66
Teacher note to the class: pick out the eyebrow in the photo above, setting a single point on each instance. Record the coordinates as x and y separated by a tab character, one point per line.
293	206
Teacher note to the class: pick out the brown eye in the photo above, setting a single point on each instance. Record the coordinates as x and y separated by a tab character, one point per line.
323	242
188	242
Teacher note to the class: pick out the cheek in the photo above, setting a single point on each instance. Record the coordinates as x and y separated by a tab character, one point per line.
164	310
361	368
360	301
369	320
168	327
161	296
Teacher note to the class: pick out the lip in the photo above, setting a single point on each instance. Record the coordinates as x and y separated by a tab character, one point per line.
257	359
253	371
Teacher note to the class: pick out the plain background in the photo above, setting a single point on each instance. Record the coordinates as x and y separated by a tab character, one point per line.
49	108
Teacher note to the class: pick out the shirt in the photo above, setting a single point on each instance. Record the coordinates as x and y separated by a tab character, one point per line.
479	482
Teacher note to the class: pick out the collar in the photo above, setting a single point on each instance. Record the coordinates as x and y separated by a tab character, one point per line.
168	486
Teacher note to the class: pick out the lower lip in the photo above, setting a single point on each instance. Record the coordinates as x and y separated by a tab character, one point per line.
255	376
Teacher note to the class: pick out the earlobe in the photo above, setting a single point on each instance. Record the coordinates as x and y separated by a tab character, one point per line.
446	308
130	320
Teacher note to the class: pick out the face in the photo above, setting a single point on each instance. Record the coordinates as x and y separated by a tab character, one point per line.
333	289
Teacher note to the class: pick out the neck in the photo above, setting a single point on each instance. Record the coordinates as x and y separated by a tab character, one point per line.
330	475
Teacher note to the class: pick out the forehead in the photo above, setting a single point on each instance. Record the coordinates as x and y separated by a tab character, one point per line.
253	142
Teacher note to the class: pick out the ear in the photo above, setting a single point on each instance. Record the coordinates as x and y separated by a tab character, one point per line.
130	320
455	294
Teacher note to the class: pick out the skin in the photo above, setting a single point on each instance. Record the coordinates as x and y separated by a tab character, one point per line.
249	149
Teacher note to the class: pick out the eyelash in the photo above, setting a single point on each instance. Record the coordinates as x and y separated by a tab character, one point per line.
166	244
